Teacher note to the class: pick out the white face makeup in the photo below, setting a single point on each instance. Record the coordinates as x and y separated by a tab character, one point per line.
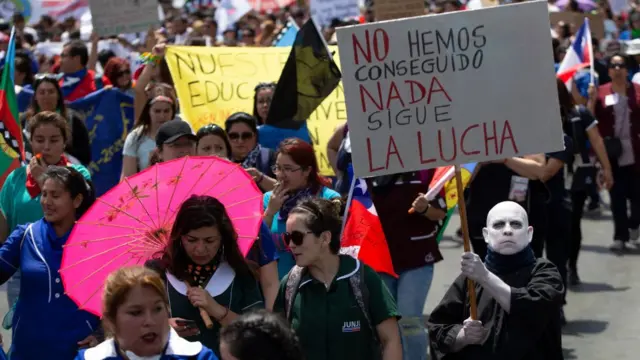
508	230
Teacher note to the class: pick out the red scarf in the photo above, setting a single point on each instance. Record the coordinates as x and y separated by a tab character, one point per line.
32	185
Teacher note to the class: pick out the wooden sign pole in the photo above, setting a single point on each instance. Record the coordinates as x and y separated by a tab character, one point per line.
462	208
203	313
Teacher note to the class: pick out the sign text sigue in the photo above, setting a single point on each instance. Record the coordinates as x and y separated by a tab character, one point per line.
423	93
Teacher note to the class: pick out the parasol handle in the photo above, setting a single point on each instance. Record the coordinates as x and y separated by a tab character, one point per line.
467	243
203	313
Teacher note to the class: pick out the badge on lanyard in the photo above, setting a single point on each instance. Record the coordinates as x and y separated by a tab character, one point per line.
611	99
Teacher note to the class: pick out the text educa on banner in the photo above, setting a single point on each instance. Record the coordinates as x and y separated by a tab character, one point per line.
214	82
450	89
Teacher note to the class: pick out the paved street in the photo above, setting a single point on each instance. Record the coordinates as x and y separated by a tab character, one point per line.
603	313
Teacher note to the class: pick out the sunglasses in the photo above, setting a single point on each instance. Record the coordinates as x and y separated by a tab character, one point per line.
295	237
47	76
616	66
242	135
264	85
210	127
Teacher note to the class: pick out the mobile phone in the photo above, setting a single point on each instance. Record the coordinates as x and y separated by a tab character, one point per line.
188	324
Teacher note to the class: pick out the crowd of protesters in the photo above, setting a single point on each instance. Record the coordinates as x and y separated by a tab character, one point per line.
328	305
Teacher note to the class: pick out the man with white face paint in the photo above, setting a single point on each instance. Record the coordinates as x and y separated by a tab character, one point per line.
519	299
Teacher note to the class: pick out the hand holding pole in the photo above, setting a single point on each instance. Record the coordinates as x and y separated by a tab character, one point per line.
467	243
203	313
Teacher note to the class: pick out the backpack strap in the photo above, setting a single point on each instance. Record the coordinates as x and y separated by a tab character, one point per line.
361	293
291	289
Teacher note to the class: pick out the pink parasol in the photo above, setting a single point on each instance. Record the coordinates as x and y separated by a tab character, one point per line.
269	6
130	223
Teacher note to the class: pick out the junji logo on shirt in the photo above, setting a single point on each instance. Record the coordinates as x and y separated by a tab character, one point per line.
351	326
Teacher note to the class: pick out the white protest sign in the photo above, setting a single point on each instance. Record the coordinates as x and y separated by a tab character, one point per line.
450	89
619	6
114	17
397	9
324	11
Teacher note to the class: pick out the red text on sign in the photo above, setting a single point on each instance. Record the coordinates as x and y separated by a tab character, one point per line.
380	41
497	138
383	98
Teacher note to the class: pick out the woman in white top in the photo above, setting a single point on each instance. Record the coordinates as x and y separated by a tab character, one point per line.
136	313
141	141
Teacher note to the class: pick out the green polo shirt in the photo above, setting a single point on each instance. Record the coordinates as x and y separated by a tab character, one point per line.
329	322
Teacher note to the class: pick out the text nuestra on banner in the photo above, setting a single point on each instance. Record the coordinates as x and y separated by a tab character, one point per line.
214	82
450	89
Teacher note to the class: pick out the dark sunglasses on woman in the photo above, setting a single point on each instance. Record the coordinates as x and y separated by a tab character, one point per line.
264	85
295	237
54	77
616	65
242	135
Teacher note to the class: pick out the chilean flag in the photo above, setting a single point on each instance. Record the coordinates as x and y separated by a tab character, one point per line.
579	55
362	235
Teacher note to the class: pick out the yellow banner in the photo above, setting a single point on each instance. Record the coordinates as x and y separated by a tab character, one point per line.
214	82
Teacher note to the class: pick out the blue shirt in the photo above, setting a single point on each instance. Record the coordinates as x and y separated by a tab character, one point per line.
625	35
270	136
47	324
24	98
280	226
263	252
177	349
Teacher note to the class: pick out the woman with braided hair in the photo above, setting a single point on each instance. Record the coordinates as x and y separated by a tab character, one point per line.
259	335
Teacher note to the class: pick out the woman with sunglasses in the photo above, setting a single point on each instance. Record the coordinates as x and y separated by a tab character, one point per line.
212	141
118	72
20	197
48	97
296	169
205	270
339	307
47	324
615	105
242	129
140	142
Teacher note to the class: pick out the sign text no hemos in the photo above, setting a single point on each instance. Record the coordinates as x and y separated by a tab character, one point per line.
420	100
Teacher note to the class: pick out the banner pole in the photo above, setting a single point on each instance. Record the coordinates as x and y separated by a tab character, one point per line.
467	242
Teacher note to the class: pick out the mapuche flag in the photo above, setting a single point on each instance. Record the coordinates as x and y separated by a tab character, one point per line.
11	142
308	77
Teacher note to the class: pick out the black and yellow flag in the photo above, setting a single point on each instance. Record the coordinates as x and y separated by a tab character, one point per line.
308	77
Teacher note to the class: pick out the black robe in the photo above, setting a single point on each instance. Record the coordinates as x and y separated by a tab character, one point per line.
531	331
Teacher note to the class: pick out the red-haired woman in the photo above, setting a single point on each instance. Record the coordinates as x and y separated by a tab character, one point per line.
118	71
297	173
